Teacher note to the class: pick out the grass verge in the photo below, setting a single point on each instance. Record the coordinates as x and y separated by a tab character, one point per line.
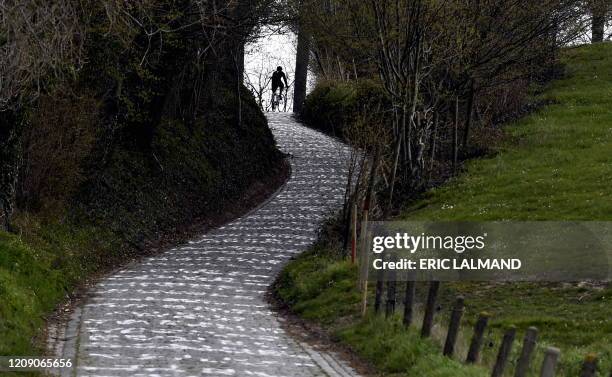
319	286
37	270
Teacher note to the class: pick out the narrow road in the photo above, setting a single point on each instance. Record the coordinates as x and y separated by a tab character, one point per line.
199	309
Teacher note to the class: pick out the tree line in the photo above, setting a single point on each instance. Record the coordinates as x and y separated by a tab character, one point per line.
82	79
443	66
119	67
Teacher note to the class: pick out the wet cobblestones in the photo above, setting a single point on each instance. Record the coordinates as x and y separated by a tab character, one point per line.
199	309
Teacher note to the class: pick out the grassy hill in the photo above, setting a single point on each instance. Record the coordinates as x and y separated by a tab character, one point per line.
556	164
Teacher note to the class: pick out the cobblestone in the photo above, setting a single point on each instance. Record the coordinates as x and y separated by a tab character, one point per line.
199	309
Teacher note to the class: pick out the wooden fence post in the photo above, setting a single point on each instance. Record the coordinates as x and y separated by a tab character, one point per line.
529	343
366	270
363	252
453	327
456	136
391	287
504	352
589	366
409	302
430	309
551	357
380	283
476	343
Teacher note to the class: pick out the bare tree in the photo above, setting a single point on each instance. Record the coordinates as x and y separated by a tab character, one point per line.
434	60
40	41
258	81
403	58
39	38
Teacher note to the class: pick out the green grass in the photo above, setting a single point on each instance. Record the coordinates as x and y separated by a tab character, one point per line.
397	350
555	164
321	288
37	270
28	289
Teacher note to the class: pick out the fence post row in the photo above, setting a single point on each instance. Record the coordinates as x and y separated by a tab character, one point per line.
551	355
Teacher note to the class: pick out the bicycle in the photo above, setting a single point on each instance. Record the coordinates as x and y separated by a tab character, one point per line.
277	99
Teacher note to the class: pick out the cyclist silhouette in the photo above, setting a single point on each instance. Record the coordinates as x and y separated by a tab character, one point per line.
277	80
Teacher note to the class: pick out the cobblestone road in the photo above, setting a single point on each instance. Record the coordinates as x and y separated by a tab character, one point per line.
199	309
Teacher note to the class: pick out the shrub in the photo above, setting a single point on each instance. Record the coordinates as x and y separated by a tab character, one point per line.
333	106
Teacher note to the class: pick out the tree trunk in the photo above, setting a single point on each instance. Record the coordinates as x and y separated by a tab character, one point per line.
9	162
239	65
301	69
468	116
240	62
455	136
598	10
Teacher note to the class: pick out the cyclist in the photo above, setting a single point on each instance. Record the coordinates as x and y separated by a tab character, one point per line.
277	80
